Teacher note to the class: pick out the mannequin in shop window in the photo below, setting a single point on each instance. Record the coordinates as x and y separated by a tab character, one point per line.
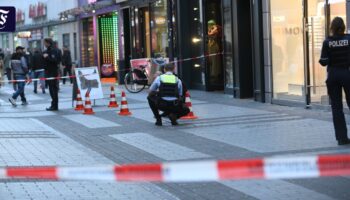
214	47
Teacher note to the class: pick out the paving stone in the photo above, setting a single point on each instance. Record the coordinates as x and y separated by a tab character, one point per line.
273	137
275	189
91	121
158	147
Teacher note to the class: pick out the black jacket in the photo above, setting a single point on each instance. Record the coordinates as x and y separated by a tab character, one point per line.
51	62
66	59
336	52
38	61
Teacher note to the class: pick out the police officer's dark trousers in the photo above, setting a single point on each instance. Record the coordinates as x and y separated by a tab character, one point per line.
53	93
339	78
174	107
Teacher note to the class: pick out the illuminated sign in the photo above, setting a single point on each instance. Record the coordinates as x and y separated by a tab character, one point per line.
160	20
24	34
91	1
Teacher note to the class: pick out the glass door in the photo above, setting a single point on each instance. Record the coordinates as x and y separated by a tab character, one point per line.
288	50
319	14
316	26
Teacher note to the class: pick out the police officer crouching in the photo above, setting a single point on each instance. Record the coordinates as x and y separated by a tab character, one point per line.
166	95
336	56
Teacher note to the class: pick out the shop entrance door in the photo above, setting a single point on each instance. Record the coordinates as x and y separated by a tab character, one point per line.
213	45
145	33
141	45
318	15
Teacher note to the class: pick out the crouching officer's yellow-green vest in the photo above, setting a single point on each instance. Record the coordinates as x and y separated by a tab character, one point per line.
168	86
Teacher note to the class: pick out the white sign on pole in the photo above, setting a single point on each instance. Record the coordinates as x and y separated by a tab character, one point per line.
89	78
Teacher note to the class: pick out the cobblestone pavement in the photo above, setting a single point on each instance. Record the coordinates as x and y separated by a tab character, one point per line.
226	129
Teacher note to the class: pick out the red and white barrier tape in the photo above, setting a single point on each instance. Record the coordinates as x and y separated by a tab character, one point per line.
64	77
196	171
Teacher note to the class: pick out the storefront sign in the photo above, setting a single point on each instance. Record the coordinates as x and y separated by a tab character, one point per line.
24	34
7	19
19	16
37	10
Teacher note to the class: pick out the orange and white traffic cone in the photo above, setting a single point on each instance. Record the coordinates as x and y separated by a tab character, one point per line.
124	110
190	115
88	108
79	102
113	101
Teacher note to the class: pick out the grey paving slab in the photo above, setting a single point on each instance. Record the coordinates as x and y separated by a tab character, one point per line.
26	114
274	136
159	147
275	189
205	111
20	125
91	121
83	191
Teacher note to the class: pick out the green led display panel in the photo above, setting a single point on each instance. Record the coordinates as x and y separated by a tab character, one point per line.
109	39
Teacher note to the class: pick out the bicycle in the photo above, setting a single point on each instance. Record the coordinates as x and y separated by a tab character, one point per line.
136	80
139	77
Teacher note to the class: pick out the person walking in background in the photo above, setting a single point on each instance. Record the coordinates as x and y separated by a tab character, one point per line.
20	72
50	56
7	68
38	70
67	64
335	55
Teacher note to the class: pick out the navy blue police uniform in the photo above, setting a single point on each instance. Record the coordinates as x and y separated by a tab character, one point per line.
336	56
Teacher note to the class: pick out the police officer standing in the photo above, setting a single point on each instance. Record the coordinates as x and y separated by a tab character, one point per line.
336	56
165	94
51	69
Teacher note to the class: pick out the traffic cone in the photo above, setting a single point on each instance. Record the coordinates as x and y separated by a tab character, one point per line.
113	101
79	102
124	110
88	108
190	115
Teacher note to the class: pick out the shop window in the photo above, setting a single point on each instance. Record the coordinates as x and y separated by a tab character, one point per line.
227	28
87	41
159	27
66	40
287	49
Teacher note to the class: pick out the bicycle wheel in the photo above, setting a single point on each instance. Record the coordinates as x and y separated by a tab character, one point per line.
133	85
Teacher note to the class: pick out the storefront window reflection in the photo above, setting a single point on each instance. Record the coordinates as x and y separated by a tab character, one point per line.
227	28
287	49
159	25
87	47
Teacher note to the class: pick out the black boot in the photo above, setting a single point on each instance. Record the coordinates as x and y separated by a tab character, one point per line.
173	119
159	122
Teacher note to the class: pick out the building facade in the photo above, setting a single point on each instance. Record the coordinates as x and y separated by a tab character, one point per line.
265	50
37	20
293	36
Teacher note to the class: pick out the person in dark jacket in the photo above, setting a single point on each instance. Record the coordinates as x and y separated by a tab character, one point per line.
38	69
50	56
20	72
336	56
67	64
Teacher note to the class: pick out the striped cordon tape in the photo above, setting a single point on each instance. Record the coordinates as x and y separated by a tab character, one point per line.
195	171
73	76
